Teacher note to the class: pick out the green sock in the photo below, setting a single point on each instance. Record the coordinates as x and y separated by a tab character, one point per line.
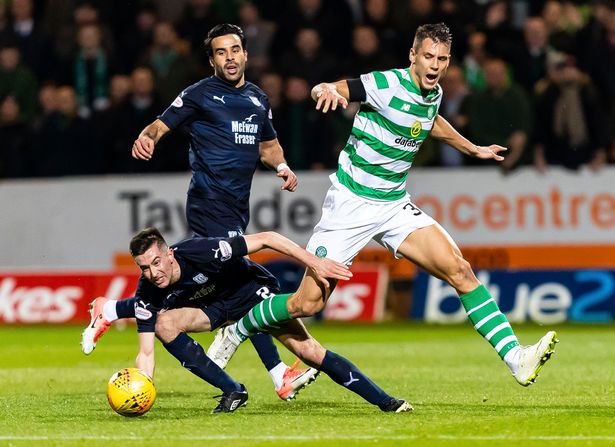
268	314
488	320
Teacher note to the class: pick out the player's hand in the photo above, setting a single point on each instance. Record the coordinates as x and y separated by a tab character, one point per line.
143	148
490	152
326	268
329	99
290	179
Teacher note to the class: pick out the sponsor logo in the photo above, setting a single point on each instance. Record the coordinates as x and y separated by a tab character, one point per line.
352	380
245	132
407	142
234	404
141	311
226	252
219	98
178	102
200	278
321	252
415	129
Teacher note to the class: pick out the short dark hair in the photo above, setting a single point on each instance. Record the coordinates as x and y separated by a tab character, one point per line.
222	30
144	239
438	32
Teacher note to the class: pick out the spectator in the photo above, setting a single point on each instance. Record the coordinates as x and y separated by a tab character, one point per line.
366	54
197	19
34	43
308	60
13	135
500	114
379	16
259	34
17	81
92	68
171	62
455	90
303	132
569	123
474	59
529	64
63	143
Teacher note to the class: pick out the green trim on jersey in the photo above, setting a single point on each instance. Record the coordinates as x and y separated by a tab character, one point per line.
381	80
409	85
378	171
365	191
378	146
369	113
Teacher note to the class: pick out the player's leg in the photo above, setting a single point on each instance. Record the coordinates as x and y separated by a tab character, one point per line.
434	250
296	338
216	218
172	327
103	312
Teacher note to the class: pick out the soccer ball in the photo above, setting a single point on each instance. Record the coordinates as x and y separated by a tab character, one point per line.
130	392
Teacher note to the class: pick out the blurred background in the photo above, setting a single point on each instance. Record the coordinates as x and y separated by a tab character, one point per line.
80	79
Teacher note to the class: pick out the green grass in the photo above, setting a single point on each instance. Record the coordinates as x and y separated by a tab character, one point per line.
52	395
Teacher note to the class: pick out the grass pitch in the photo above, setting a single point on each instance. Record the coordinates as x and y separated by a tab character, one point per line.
52	395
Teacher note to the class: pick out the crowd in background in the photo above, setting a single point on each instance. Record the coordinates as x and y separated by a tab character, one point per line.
80	79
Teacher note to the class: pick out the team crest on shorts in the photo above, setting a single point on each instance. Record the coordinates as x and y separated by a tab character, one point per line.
321	252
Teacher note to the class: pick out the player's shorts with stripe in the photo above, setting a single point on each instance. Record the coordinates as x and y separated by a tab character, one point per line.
216	216
349	222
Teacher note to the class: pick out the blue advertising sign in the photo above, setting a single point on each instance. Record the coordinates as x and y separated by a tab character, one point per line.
546	296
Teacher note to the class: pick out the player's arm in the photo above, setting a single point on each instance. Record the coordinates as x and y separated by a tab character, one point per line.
143	147
329	94
324	268
145	358
272	156
443	131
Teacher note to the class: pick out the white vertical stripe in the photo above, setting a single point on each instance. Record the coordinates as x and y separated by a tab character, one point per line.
252	319
262	309
504	342
487	318
271	311
496	329
242	329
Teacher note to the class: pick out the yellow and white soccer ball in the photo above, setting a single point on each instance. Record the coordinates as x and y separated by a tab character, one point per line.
131	392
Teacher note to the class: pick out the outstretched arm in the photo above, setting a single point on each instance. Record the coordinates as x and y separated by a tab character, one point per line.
145	358
272	156
329	94
143	147
324	268
443	131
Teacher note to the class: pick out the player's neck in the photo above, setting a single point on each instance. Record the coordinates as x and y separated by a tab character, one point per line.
237	84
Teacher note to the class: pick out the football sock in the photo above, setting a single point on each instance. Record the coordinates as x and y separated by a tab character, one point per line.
125	308
343	372
490	322
268	314
109	310
192	357
277	374
268	353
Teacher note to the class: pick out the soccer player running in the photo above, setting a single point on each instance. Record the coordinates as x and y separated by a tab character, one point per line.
368	200
201	283
230	129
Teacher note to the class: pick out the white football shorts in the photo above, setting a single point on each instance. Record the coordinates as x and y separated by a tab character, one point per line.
349	222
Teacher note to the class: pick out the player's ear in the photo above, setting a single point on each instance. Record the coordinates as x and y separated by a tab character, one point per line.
412	56
211	62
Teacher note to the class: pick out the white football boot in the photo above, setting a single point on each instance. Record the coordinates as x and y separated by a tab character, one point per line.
531	358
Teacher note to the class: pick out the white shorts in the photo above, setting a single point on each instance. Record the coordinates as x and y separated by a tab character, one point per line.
349	222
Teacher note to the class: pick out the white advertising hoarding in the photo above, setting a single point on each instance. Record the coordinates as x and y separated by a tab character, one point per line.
79	223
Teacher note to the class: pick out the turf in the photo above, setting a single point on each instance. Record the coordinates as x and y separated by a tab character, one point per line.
52	395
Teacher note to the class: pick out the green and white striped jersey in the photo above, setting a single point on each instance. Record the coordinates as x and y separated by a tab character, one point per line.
387	132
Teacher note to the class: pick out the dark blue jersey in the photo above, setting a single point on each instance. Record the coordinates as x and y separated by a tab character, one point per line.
213	270
226	126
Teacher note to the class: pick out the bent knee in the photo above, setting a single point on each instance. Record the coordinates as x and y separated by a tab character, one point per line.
460	275
310	352
306	308
166	329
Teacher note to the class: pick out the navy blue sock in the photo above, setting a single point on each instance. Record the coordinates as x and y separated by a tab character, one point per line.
126	308
192	357
342	371
267	351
